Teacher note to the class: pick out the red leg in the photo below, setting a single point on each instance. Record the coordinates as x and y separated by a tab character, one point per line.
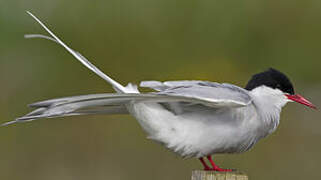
206	167
215	167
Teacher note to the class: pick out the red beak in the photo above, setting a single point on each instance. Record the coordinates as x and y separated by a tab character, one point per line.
300	99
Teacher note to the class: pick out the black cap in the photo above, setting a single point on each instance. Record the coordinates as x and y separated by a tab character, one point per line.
271	78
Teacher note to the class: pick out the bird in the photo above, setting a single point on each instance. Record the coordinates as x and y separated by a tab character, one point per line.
192	118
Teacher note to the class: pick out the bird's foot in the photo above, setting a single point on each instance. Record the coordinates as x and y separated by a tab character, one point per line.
214	166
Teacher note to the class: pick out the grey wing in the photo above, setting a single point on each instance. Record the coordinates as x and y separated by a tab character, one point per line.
218	94
108	104
176	98
161	86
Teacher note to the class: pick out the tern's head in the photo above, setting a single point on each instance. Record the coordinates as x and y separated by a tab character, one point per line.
277	86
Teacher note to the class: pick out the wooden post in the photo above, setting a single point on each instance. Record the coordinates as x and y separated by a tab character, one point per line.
215	175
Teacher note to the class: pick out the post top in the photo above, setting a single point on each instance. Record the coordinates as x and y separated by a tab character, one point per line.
215	175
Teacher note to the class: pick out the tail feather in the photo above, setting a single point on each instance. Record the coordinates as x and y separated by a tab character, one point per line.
65	100
108	103
118	87
77	105
44	113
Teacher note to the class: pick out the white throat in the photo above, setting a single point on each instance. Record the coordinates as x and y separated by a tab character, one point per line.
269	97
269	103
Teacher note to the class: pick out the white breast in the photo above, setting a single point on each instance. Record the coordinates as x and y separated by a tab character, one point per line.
202	132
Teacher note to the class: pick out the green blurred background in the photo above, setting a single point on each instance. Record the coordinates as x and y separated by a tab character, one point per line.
135	40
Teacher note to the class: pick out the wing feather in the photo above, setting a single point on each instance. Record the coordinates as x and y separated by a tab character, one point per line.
222	94
115	103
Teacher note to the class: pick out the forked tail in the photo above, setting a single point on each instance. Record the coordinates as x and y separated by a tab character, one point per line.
118	87
80	105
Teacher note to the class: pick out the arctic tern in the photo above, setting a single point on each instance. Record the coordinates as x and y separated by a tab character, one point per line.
191	118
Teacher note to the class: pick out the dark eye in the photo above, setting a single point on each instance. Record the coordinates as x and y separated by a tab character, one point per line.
278	86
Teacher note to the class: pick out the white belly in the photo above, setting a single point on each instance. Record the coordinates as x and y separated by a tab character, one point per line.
200	133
